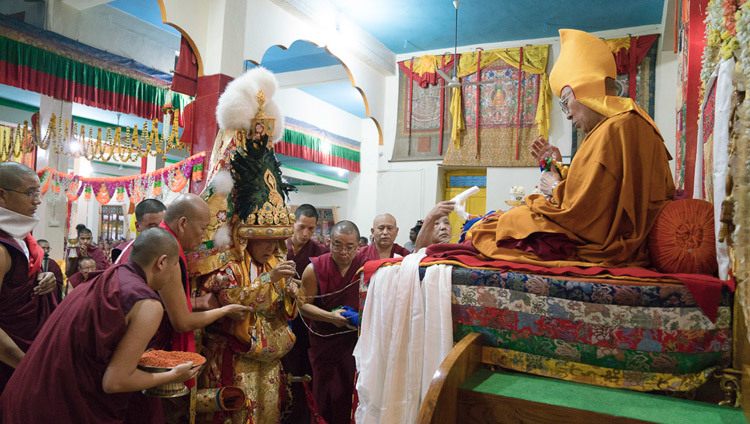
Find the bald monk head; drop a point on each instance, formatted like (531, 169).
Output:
(344, 243)
(384, 232)
(188, 217)
(156, 252)
(19, 188)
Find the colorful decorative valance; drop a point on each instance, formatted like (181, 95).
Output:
(306, 141)
(136, 187)
(47, 63)
(422, 70)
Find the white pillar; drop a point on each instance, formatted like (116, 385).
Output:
(52, 216)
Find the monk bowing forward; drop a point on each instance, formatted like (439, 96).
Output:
(82, 365)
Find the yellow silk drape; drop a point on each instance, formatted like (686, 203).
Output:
(615, 44)
(426, 64)
(534, 62)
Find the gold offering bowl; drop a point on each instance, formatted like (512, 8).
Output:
(514, 203)
(168, 390)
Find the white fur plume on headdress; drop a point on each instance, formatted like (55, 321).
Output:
(237, 105)
(223, 183)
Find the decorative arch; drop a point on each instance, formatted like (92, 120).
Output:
(198, 58)
(351, 80)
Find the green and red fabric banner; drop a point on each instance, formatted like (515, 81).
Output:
(32, 68)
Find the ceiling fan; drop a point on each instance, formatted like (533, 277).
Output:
(453, 82)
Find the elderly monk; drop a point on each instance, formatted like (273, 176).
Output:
(148, 214)
(436, 226)
(616, 185)
(300, 248)
(82, 367)
(26, 293)
(384, 232)
(329, 282)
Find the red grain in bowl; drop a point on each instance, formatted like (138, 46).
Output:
(164, 359)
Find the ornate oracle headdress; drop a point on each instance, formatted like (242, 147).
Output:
(259, 192)
(245, 190)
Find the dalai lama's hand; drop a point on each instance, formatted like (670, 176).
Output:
(47, 283)
(542, 149)
(547, 182)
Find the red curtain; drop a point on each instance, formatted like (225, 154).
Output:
(627, 60)
(185, 78)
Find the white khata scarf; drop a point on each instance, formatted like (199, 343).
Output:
(18, 226)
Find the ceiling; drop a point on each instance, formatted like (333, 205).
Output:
(418, 25)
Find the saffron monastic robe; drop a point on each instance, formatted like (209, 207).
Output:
(22, 313)
(332, 357)
(60, 379)
(370, 252)
(617, 184)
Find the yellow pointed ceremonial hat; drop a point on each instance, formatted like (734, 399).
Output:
(584, 64)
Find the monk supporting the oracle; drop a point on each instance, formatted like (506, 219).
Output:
(615, 187)
(83, 364)
(300, 249)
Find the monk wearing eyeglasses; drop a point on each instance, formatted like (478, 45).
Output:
(26, 292)
(329, 283)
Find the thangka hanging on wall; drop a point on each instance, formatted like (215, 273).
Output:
(505, 129)
(644, 50)
(418, 125)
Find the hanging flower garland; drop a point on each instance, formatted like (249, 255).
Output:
(175, 177)
(722, 39)
(743, 38)
(714, 17)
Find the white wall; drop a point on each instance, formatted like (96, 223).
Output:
(117, 32)
(305, 107)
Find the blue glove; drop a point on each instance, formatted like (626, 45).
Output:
(351, 315)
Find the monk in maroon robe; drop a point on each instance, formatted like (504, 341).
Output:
(186, 220)
(26, 293)
(148, 214)
(87, 269)
(384, 232)
(85, 249)
(300, 248)
(333, 274)
(49, 265)
(82, 366)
